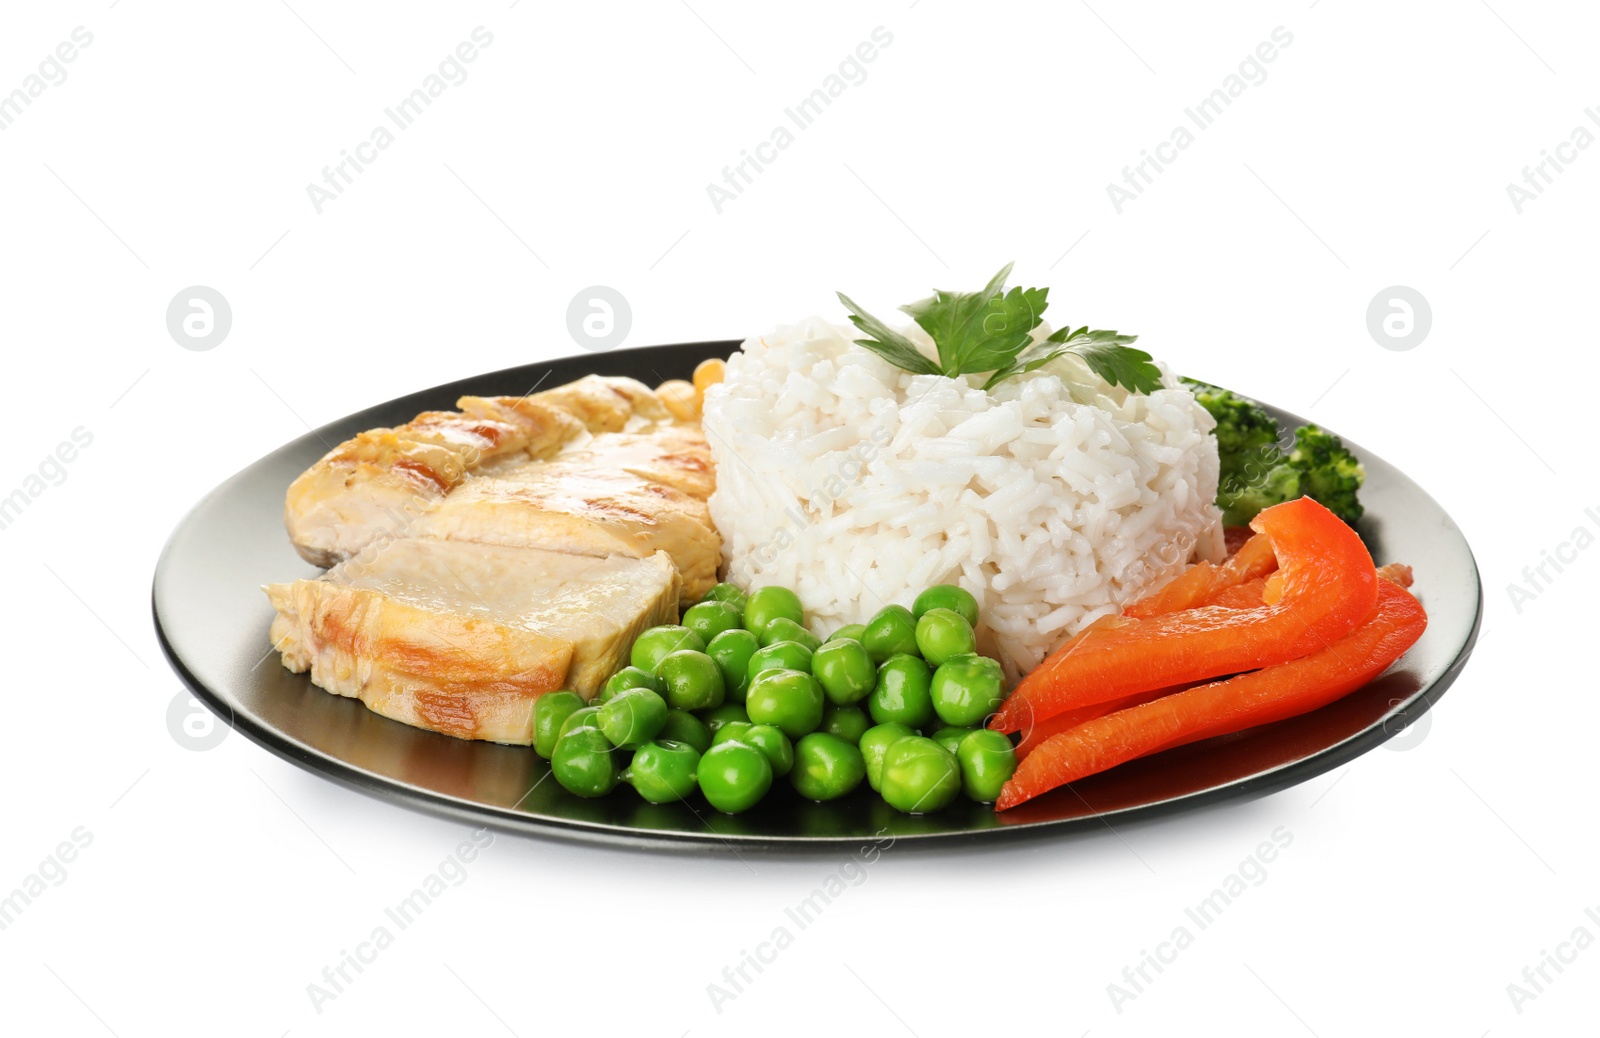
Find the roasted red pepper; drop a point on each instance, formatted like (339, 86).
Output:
(1260, 697)
(1328, 586)
(1201, 583)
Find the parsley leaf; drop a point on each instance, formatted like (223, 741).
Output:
(980, 331)
(992, 331)
(886, 342)
(1114, 360)
(1107, 353)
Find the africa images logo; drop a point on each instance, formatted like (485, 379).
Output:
(451, 71)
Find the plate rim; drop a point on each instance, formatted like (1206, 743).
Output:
(440, 805)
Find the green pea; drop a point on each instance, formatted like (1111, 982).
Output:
(947, 596)
(772, 742)
(902, 692)
(893, 631)
(849, 723)
(583, 762)
(826, 767)
(845, 669)
(988, 760)
(779, 656)
(682, 726)
(767, 604)
(876, 742)
(729, 593)
(709, 619)
(784, 629)
(693, 680)
(790, 700)
(663, 771)
(724, 714)
(584, 715)
(919, 776)
(732, 651)
(629, 677)
(852, 631)
(549, 712)
(632, 717)
(764, 737)
(734, 777)
(950, 736)
(966, 689)
(654, 645)
(943, 634)
(733, 731)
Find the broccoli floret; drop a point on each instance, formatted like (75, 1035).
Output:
(1256, 474)
(1319, 467)
(1247, 436)
(1242, 499)
(1329, 473)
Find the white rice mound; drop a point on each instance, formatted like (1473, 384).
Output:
(1054, 498)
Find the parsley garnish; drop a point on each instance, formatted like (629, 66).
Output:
(990, 331)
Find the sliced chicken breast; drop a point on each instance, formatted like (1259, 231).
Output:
(374, 485)
(595, 467)
(461, 638)
(607, 404)
(573, 507)
(675, 455)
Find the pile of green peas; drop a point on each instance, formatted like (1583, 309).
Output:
(741, 694)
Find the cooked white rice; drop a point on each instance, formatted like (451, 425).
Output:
(1054, 498)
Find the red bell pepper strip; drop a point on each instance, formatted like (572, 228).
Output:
(1240, 596)
(1185, 591)
(1396, 573)
(1260, 697)
(1198, 584)
(1035, 736)
(1329, 586)
(1252, 592)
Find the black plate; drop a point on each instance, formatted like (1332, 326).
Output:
(212, 620)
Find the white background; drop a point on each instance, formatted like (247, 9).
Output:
(1376, 152)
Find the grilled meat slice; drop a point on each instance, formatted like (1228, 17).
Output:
(607, 404)
(375, 484)
(461, 638)
(573, 507)
(674, 455)
(488, 556)
(595, 467)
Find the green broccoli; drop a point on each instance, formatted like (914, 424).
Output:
(1240, 501)
(1319, 467)
(1256, 474)
(1329, 473)
(1247, 436)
